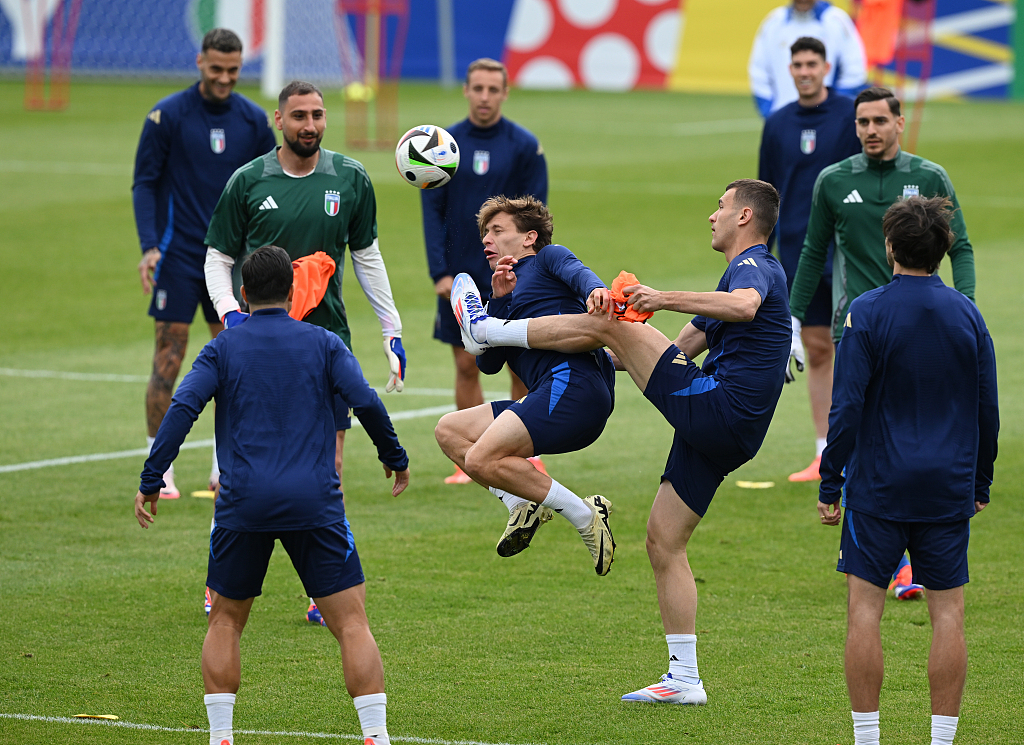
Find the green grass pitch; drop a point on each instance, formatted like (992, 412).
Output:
(100, 617)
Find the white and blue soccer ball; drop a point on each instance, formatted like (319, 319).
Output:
(427, 157)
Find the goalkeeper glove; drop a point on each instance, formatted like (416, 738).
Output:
(233, 317)
(796, 351)
(396, 359)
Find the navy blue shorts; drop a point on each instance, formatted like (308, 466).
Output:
(819, 310)
(704, 449)
(446, 327)
(325, 558)
(177, 294)
(565, 413)
(872, 547)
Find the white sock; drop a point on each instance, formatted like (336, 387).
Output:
(501, 333)
(819, 445)
(568, 505)
(865, 727)
(682, 657)
(149, 442)
(509, 500)
(215, 466)
(373, 716)
(943, 729)
(219, 708)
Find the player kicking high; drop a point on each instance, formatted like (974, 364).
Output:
(571, 395)
(720, 412)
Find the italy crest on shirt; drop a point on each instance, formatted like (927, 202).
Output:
(808, 141)
(332, 202)
(481, 162)
(217, 141)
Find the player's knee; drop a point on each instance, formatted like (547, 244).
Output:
(445, 432)
(662, 549)
(479, 464)
(820, 355)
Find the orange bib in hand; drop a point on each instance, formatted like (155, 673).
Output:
(623, 311)
(311, 276)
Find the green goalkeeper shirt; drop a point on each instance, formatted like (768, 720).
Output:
(330, 208)
(850, 198)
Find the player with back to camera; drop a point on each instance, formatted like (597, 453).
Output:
(498, 157)
(798, 141)
(911, 444)
(570, 396)
(720, 412)
(275, 380)
(191, 143)
(305, 198)
(849, 200)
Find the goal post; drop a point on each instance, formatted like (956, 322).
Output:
(49, 27)
(374, 65)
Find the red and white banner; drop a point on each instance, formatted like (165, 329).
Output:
(611, 45)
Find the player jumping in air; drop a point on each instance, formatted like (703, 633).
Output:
(506, 159)
(720, 412)
(570, 395)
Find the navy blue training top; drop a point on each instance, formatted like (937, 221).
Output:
(274, 380)
(748, 359)
(551, 283)
(502, 159)
(187, 152)
(796, 144)
(915, 412)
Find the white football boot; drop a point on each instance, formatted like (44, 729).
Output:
(468, 312)
(670, 691)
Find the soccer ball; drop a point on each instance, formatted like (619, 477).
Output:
(427, 157)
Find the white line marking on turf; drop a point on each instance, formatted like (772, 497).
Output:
(92, 377)
(317, 735)
(143, 452)
(12, 372)
(66, 169)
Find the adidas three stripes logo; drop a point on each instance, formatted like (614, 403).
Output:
(268, 204)
(853, 197)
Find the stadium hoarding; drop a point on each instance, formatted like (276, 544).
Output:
(596, 44)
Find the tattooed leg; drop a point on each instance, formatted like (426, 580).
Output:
(171, 341)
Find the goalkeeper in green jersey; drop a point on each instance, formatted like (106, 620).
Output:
(304, 199)
(849, 200)
(848, 203)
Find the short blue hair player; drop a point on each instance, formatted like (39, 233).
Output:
(912, 438)
(570, 395)
(720, 411)
(275, 380)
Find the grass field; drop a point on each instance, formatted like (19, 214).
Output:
(100, 617)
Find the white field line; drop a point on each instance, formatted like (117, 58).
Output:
(114, 378)
(143, 452)
(203, 732)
